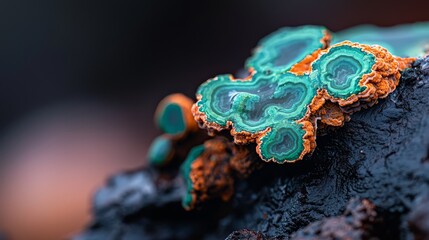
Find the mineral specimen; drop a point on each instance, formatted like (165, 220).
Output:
(289, 48)
(279, 111)
(380, 155)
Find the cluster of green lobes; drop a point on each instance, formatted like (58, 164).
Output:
(276, 102)
(279, 51)
(171, 119)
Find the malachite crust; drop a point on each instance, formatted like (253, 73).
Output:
(279, 109)
(283, 143)
(172, 120)
(266, 102)
(340, 70)
(296, 81)
(257, 104)
(279, 51)
(160, 151)
(186, 169)
(270, 107)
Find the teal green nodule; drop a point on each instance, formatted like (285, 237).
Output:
(274, 109)
(279, 51)
(171, 120)
(186, 169)
(160, 150)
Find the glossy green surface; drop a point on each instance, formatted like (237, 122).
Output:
(264, 102)
(279, 51)
(278, 101)
(408, 40)
(171, 120)
(283, 143)
(186, 172)
(341, 69)
(160, 150)
(255, 105)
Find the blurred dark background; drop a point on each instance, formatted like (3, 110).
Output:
(79, 81)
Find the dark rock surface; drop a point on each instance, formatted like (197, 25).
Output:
(357, 222)
(145, 204)
(381, 155)
(246, 234)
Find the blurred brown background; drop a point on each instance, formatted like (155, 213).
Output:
(79, 81)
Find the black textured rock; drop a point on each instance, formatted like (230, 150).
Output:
(380, 155)
(145, 204)
(246, 234)
(358, 222)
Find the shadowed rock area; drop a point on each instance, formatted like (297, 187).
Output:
(380, 155)
(357, 222)
(419, 218)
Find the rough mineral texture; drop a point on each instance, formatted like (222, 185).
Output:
(210, 170)
(145, 205)
(357, 222)
(246, 234)
(380, 155)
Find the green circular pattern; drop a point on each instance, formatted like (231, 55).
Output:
(252, 106)
(283, 143)
(341, 68)
(279, 51)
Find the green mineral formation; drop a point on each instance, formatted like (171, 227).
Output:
(172, 119)
(279, 51)
(267, 102)
(160, 150)
(408, 40)
(340, 70)
(272, 109)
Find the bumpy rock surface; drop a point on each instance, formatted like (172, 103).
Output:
(380, 155)
(144, 205)
(357, 222)
(246, 234)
